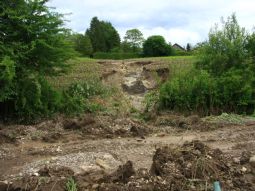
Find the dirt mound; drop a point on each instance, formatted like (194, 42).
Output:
(192, 122)
(56, 171)
(106, 127)
(6, 138)
(191, 167)
(194, 166)
(122, 174)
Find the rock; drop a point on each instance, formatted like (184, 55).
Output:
(236, 160)
(58, 149)
(102, 164)
(4, 185)
(245, 157)
(95, 186)
(252, 161)
(244, 169)
(36, 174)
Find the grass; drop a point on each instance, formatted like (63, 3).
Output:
(71, 185)
(229, 119)
(82, 69)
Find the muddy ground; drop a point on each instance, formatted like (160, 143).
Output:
(101, 152)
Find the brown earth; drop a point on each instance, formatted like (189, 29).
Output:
(100, 152)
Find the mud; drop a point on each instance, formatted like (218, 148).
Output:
(192, 166)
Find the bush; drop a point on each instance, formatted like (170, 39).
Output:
(156, 46)
(194, 91)
(224, 78)
(197, 91)
(76, 97)
(225, 49)
(36, 98)
(115, 55)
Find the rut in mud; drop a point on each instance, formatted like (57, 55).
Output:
(109, 153)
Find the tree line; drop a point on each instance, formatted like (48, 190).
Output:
(102, 37)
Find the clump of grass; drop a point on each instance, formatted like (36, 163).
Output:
(71, 185)
(229, 119)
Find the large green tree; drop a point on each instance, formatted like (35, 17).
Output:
(133, 40)
(32, 45)
(104, 37)
(156, 46)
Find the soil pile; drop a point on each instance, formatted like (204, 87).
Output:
(192, 166)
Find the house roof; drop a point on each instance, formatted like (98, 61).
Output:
(177, 46)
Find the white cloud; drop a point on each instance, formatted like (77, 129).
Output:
(178, 21)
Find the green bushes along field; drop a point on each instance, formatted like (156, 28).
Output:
(222, 79)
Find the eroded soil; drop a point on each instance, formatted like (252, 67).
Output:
(170, 152)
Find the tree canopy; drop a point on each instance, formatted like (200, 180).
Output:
(156, 46)
(32, 45)
(104, 37)
(225, 49)
(134, 39)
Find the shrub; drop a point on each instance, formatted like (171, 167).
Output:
(197, 91)
(76, 97)
(225, 49)
(156, 46)
(36, 98)
(224, 78)
(194, 91)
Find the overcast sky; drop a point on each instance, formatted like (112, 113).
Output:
(179, 21)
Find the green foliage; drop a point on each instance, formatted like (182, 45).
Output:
(76, 99)
(156, 46)
(151, 99)
(133, 41)
(32, 45)
(115, 55)
(82, 44)
(36, 98)
(7, 74)
(71, 185)
(189, 91)
(229, 119)
(178, 52)
(224, 78)
(104, 37)
(197, 91)
(188, 47)
(225, 49)
(251, 46)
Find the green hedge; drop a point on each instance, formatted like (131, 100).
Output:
(115, 56)
(199, 92)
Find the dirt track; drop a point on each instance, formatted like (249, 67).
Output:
(98, 143)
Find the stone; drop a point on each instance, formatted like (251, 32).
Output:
(252, 161)
(102, 164)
